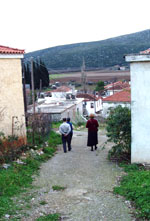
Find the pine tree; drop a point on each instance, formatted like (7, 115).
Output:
(44, 74)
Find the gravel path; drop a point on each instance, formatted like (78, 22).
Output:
(89, 179)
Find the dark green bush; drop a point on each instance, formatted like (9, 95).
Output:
(119, 131)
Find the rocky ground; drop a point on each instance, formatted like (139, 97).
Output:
(88, 178)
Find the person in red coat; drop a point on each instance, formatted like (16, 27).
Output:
(92, 125)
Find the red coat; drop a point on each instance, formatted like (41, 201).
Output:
(92, 125)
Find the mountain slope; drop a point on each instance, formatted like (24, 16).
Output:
(99, 54)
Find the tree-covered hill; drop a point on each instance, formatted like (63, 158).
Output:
(98, 54)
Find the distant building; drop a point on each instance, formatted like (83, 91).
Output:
(115, 87)
(91, 104)
(122, 98)
(60, 92)
(58, 108)
(12, 115)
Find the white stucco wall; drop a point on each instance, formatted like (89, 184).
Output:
(140, 109)
(97, 106)
(58, 94)
(108, 105)
(79, 107)
(12, 117)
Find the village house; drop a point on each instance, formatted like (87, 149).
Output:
(115, 87)
(122, 98)
(12, 115)
(91, 104)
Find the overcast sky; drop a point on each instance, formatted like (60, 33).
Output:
(38, 24)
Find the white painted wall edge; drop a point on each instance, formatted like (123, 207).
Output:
(11, 55)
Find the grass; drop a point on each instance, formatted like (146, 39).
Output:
(55, 125)
(58, 188)
(50, 217)
(54, 139)
(43, 202)
(135, 186)
(18, 177)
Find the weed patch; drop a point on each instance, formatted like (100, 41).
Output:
(135, 186)
(43, 202)
(50, 217)
(58, 188)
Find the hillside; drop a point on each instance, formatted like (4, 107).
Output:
(99, 54)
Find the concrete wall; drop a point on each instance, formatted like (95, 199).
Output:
(108, 105)
(140, 109)
(79, 108)
(12, 120)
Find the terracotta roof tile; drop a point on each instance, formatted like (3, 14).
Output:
(122, 96)
(61, 89)
(112, 84)
(117, 85)
(87, 97)
(7, 50)
(145, 52)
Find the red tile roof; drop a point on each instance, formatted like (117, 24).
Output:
(122, 96)
(7, 50)
(119, 86)
(62, 89)
(145, 52)
(112, 84)
(88, 97)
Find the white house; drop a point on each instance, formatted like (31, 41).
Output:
(91, 103)
(140, 106)
(122, 98)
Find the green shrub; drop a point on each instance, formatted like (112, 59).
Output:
(119, 131)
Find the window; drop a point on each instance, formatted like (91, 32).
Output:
(92, 105)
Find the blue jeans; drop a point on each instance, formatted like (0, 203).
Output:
(69, 141)
(65, 140)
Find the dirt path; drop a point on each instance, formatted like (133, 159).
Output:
(89, 179)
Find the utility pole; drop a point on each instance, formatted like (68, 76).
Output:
(33, 102)
(24, 88)
(83, 76)
(24, 91)
(32, 83)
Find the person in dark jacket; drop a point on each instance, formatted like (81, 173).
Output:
(70, 134)
(92, 125)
